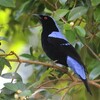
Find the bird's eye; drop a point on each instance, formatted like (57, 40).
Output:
(45, 18)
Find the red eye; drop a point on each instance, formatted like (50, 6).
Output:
(45, 18)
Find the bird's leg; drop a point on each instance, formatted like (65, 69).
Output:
(54, 62)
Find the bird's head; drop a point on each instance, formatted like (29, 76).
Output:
(47, 21)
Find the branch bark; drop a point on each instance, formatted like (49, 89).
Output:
(62, 69)
(92, 82)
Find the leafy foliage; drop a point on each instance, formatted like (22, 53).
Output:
(20, 32)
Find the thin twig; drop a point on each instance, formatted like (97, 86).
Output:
(74, 3)
(98, 80)
(60, 90)
(88, 48)
(63, 19)
(69, 87)
(94, 83)
(50, 81)
(92, 52)
(56, 6)
(50, 4)
(5, 55)
(49, 88)
(80, 20)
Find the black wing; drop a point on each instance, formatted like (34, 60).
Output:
(66, 48)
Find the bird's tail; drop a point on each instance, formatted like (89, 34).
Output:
(86, 85)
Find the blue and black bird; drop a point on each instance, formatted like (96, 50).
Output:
(57, 48)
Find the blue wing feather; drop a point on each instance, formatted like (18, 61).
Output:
(59, 35)
(76, 67)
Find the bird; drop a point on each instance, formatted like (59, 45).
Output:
(58, 48)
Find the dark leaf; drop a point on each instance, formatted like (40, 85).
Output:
(31, 51)
(1, 68)
(63, 2)
(25, 93)
(95, 72)
(77, 12)
(70, 35)
(12, 76)
(80, 31)
(7, 91)
(95, 2)
(26, 55)
(24, 7)
(3, 62)
(21, 9)
(15, 86)
(7, 3)
(59, 13)
(97, 14)
(11, 86)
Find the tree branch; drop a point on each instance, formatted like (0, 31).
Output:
(92, 82)
(44, 64)
(62, 69)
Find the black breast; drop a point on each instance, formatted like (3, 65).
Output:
(53, 51)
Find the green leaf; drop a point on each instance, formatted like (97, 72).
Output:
(63, 2)
(7, 3)
(7, 63)
(7, 91)
(98, 34)
(26, 55)
(97, 14)
(7, 75)
(47, 11)
(11, 86)
(25, 93)
(21, 86)
(12, 75)
(59, 13)
(83, 53)
(45, 74)
(80, 31)
(4, 61)
(21, 9)
(15, 86)
(67, 26)
(70, 35)
(95, 2)
(31, 51)
(77, 12)
(1, 68)
(95, 73)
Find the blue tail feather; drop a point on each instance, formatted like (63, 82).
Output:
(79, 70)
